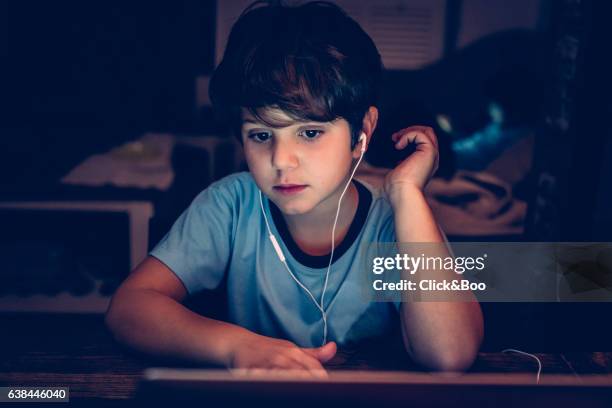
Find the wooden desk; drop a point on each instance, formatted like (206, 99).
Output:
(76, 351)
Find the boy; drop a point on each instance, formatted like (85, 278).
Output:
(298, 85)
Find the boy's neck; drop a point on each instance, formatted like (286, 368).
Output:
(312, 231)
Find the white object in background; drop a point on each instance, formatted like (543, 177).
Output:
(146, 162)
(143, 163)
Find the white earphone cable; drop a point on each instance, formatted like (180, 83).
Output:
(331, 256)
(530, 355)
(284, 262)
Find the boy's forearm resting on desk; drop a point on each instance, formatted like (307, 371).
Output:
(442, 335)
(159, 325)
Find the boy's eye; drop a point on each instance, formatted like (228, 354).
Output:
(311, 133)
(259, 137)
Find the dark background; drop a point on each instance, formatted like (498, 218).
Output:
(78, 78)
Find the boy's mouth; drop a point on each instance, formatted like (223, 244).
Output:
(289, 188)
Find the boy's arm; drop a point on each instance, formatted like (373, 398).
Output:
(146, 314)
(441, 335)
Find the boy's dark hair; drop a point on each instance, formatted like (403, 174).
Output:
(313, 62)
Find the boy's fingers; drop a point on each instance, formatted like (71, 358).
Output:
(410, 134)
(323, 353)
(310, 362)
(257, 371)
(421, 141)
(314, 367)
(319, 373)
(300, 364)
(414, 136)
(432, 136)
(294, 359)
(283, 372)
(327, 352)
(405, 139)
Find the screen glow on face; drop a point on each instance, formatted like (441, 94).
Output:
(313, 155)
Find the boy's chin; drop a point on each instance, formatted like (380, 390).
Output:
(294, 208)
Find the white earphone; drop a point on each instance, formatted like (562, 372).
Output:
(364, 143)
(320, 305)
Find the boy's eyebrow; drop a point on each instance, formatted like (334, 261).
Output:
(256, 122)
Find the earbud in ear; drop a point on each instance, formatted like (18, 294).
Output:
(364, 141)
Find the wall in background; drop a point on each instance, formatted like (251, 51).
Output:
(482, 17)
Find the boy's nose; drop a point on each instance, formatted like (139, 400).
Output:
(283, 156)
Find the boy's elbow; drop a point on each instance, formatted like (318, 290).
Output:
(458, 356)
(114, 319)
(455, 361)
(453, 357)
(111, 320)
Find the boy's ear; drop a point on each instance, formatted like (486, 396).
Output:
(370, 119)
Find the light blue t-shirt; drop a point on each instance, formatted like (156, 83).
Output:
(223, 232)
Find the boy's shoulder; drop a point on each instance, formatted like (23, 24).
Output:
(239, 182)
(235, 187)
(238, 178)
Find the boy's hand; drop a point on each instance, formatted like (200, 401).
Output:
(416, 170)
(259, 352)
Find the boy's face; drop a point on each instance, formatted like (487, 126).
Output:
(302, 166)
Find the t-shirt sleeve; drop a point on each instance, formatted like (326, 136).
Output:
(387, 230)
(198, 246)
(386, 234)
